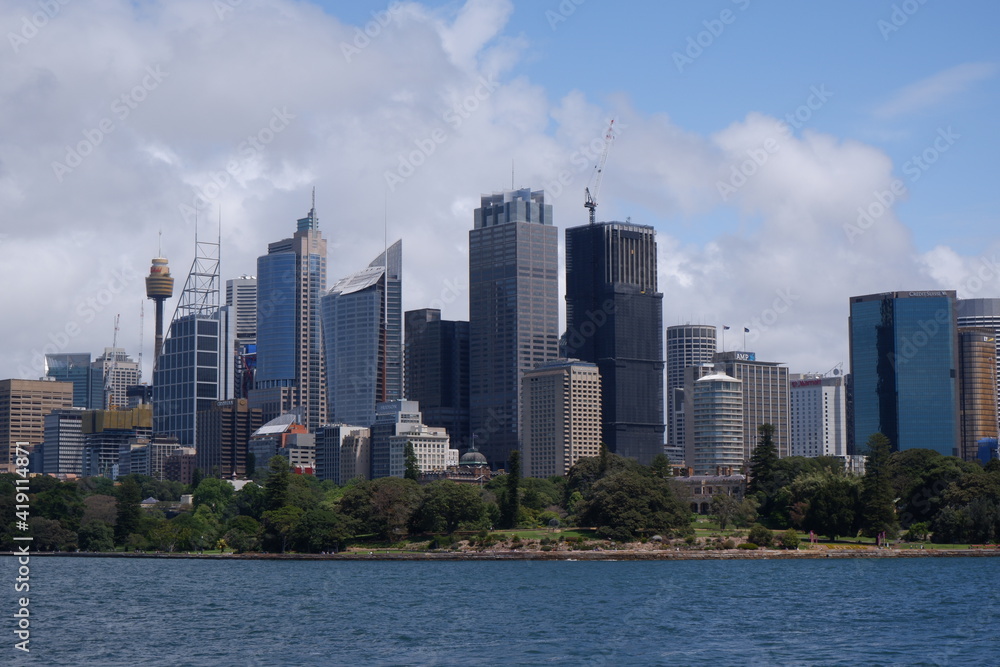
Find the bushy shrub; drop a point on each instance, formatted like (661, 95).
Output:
(728, 544)
(789, 539)
(749, 546)
(760, 536)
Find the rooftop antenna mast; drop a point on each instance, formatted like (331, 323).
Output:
(592, 190)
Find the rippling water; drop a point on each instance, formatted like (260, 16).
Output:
(94, 611)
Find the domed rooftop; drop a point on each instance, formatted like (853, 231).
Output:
(473, 458)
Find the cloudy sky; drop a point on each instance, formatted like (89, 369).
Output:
(789, 154)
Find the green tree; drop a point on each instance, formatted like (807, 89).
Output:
(243, 534)
(96, 536)
(760, 535)
(60, 503)
(129, 515)
(878, 513)
(833, 507)
(276, 486)
(213, 493)
(280, 523)
(511, 502)
(446, 506)
(628, 504)
(50, 535)
(660, 466)
(99, 507)
(725, 508)
(765, 480)
(410, 460)
(196, 477)
(789, 539)
(320, 530)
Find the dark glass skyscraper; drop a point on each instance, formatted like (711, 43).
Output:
(437, 371)
(614, 318)
(291, 278)
(904, 366)
(513, 310)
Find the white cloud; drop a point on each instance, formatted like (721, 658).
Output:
(426, 99)
(935, 89)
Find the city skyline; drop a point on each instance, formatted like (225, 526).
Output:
(504, 85)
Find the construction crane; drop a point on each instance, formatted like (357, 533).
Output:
(109, 373)
(592, 190)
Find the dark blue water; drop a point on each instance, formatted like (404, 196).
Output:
(933, 611)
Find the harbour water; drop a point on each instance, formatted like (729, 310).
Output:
(100, 611)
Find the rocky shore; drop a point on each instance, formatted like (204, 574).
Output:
(567, 555)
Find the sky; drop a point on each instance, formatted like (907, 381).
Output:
(789, 154)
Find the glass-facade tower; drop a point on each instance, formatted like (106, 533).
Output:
(904, 366)
(513, 311)
(362, 339)
(614, 318)
(291, 278)
(687, 345)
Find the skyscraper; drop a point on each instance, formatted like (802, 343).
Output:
(717, 430)
(513, 310)
(76, 368)
(560, 416)
(765, 397)
(362, 339)
(614, 318)
(23, 406)
(62, 450)
(195, 366)
(904, 366)
(291, 278)
(983, 313)
(437, 371)
(241, 297)
(113, 372)
(977, 407)
(687, 345)
(223, 433)
(818, 415)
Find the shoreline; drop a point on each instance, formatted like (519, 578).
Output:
(620, 555)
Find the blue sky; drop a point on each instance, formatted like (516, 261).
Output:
(780, 252)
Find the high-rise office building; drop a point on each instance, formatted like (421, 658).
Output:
(560, 416)
(23, 406)
(717, 426)
(337, 451)
(437, 371)
(513, 311)
(241, 297)
(983, 313)
(62, 449)
(818, 415)
(398, 423)
(115, 372)
(904, 367)
(362, 339)
(291, 279)
(107, 432)
(614, 318)
(223, 433)
(195, 366)
(76, 368)
(687, 345)
(765, 397)
(977, 406)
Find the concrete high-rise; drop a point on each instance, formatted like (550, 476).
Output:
(398, 423)
(687, 345)
(437, 371)
(223, 433)
(513, 311)
(614, 318)
(560, 416)
(977, 407)
(765, 397)
(115, 372)
(62, 449)
(717, 439)
(904, 367)
(362, 339)
(241, 297)
(291, 279)
(818, 415)
(23, 406)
